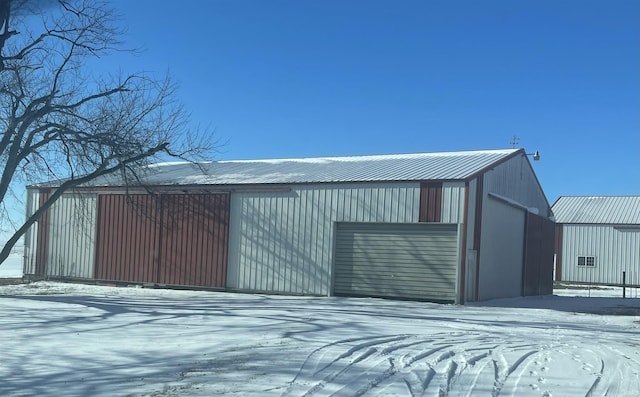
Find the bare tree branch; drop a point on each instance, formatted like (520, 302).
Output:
(56, 122)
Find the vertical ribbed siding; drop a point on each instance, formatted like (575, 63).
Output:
(42, 235)
(477, 230)
(430, 202)
(31, 236)
(178, 239)
(516, 180)
(453, 202)
(501, 258)
(194, 239)
(283, 241)
(615, 251)
(71, 240)
(538, 263)
(471, 257)
(128, 238)
(558, 252)
(627, 245)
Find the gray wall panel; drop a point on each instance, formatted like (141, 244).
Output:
(514, 179)
(502, 250)
(471, 254)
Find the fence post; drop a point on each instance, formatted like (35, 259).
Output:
(624, 291)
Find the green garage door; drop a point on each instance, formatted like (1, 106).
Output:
(412, 261)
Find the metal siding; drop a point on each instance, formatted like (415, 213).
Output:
(31, 236)
(558, 252)
(417, 261)
(72, 237)
(502, 253)
(42, 236)
(477, 230)
(194, 233)
(128, 238)
(627, 243)
(538, 264)
(471, 254)
(283, 241)
(514, 179)
(176, 239)
(615, 251)
(453, 202)
(431, 202)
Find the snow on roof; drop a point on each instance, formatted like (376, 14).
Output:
(392, 167)
(616, 210)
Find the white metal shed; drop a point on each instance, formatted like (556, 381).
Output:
(598, 239)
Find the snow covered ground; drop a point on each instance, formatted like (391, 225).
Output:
(76, 340)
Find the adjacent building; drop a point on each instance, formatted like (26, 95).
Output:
(452, 226)
(597, 239)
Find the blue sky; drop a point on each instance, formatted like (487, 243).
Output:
(294, 78)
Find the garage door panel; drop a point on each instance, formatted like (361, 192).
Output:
(415, 261)
(386, 240)
(424, 271)
(408, 284)
(402, 251)
(391, 271)
(412, 279)
(397, 293)
(434, 257)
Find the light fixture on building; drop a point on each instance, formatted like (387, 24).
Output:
(536, 155)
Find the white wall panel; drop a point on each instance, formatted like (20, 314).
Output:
(31, 236)
(72, 236)
(615, 251)
(453, 202)
(283, 241)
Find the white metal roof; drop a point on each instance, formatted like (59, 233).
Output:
(616, 210)
(373, 168)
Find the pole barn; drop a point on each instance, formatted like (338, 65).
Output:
(450, 226)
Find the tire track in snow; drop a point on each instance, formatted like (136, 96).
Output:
(595, 382)
(466, 365)
(613, 377)
(359, 361)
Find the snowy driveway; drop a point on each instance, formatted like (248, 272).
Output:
(63, 339)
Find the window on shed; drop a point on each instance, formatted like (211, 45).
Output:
(587, 261)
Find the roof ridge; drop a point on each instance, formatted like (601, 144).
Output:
(311, 159)
(370, 168)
